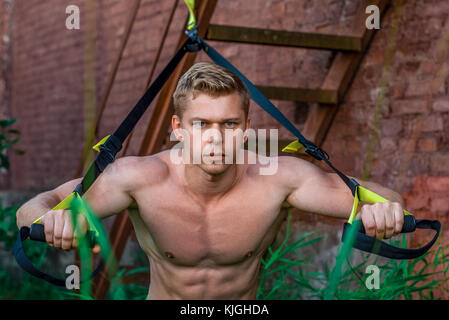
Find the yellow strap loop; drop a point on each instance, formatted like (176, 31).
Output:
(293, 147)
(65, 204)
(192, 20)
(102, 141)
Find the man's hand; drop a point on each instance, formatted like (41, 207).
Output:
(59, 231)
(383, 219)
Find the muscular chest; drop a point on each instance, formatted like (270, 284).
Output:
(227, 232)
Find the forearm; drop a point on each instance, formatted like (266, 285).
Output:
(324, 193)
(35, 208)
(329, 196)
(342, 208)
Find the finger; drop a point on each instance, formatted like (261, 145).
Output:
(379, 216)
(48, 221)
(398, 217)
(74, 242)
(96, 249)
(58, 228)
(368, 221)
(82, 223)
(67, 233)
(389, 220)
(82, 228)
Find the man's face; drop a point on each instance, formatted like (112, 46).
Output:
(215, 129)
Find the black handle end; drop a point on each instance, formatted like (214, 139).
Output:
(37, 232)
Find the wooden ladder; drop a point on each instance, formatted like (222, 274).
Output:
(349, 53)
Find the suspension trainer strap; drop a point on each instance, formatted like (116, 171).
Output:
(362, 241)
(108, 149)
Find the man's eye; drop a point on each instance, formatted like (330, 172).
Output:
(230, 124)
(199, 124)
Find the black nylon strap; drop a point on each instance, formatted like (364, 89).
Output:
(27, 265)
(107, 154)
(373, 245)
(136, 113)
(113, 144)
(363, 242)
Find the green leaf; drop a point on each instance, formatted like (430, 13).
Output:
(6, 123)
(4, 162)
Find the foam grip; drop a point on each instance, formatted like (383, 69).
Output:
(37, 233)
(408, 226)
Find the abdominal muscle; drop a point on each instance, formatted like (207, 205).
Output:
(204, 281)
(201, 273)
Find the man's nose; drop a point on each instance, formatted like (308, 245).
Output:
(214, 135)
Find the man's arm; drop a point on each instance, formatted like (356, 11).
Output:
(314, 190)
(108, 195)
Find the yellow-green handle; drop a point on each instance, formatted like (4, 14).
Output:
(65, 205)
(366, 196)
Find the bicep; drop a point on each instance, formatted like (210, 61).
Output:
(315, 190)
(110, 193)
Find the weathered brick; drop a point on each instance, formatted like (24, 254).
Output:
(432, 123)
(402, 107)
(438, 184)
(427, 145)
(418, 201)
(397, 92)
(422, 88)
(388, 144)
(440, 162)
(441, 105)
(440, 205)
(391, 127)
(353, 146)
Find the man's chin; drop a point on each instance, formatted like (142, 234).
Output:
(214, 168)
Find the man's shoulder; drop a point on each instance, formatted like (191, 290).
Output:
(142, 168)
(282, 170)
(284, 163)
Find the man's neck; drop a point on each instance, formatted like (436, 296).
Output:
(207, 187)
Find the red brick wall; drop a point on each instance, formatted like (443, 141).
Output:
(48, 85)
(6, 7)
(412, 151)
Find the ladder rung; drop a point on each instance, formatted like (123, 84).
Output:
(283, 38)
(300, 94)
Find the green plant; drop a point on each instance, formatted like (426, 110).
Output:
(283, 275)
(15, 283)
(8, 137)
(284, 265)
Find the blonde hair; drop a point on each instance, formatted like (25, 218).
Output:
(211, 79)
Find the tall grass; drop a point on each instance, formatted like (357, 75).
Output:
(284, 277)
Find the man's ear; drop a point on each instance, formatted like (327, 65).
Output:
(176, 126)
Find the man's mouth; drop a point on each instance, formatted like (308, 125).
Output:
(214, 155)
